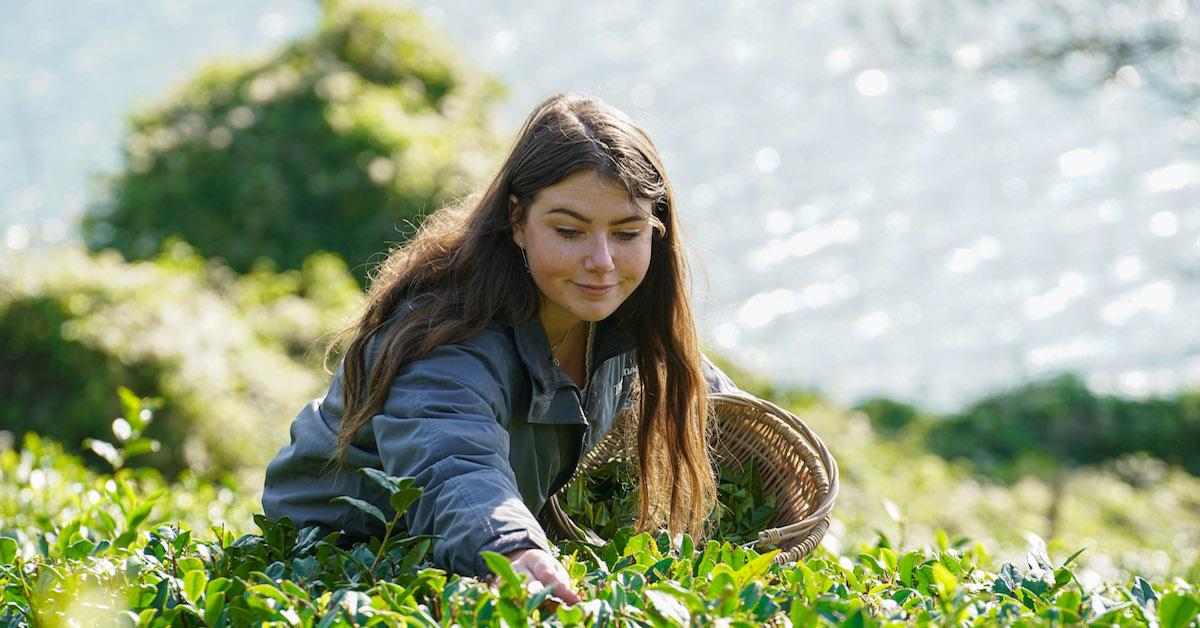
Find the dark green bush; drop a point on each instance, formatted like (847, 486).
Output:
(74, 327)
(339, 142)
(1060, 422)
(888, 415)
(41, 363)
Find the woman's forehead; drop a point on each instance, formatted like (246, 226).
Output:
(586, 192)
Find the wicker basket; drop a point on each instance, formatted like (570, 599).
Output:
(795, 465)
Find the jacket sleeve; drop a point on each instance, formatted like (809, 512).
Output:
(444, 424)
(718, 381)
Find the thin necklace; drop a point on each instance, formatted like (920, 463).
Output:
(554, 348)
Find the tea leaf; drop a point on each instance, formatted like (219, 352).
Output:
(1177, 610)
(1143, 593)
(666, 607)
(363, 506)
(404, 498)
(8, 550)
(193, 586)
(756, 568)
(502, 567)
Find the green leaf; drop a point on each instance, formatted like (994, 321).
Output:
(667, 607)
(907, 563)
(502, 567)
(415, 555)
(389, 483)
(214, 604)
(131, 404)
(79, 549)
(1143, 593)
(570, 615)
(873, 564)
(190, 563)
(1062, 577)
(1008, 581)
(687, 548)
(217, 585)
(536, 599)
(889, 560)
(1176, 610)
(8, 550)
(363, 506)
(755, 568)
(1069, 600)
(193, 586)
(141, 446)
(403, 499)
(724, 582)
(105, 450)
(271, 591)
(511, 613)
(142, 511)
(637, 544)
(945, 581)
(1072, 557)
(292, 589)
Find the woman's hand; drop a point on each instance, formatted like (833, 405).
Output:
(539, 565)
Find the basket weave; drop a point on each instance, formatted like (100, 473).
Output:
(793, 462)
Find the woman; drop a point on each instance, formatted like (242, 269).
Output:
(500, 343)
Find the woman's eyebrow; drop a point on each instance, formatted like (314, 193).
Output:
(581, 218)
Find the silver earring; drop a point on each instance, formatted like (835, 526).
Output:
(526, 260)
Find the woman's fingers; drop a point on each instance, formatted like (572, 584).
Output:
(546, 569)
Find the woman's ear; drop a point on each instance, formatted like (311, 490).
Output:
(516, 220)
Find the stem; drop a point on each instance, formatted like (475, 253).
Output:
(33, 616)
(387, 532)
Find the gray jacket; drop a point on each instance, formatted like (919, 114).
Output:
(490, 428)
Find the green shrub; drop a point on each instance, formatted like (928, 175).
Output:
(888, 415)
(337, 143)
(1060, 422)
(74, 327)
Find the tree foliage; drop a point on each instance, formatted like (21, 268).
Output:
(1060, 422)
(339, 142)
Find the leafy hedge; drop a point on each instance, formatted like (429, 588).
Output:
(335, 143)
(1061, 422)
(75, 326)
(112, 555)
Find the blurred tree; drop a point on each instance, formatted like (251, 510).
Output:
(888, 415)
(340, 142)
(1044, 426)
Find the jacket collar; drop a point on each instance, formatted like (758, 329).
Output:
(534, 349)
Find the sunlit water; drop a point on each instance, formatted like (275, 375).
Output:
(865, 225)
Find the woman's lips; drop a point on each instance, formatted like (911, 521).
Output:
(594, 290)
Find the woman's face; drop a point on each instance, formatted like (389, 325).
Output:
(588, 248)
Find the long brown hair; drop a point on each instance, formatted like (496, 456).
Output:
(464, 263)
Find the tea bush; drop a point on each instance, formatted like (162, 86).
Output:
(75, 326)
(892, 486)
(337, 142)
(112, 555)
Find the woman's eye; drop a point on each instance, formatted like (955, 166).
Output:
(628, 235)
(568, 232)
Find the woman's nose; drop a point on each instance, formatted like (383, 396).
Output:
(599, 259)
